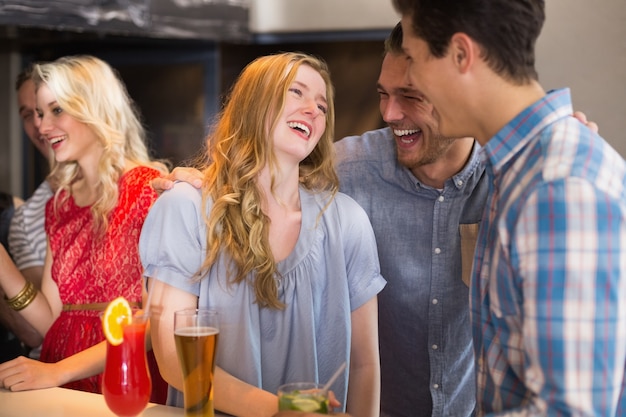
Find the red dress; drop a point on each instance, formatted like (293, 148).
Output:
(88, 269)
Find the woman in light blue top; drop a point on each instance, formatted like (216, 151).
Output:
(290, 264)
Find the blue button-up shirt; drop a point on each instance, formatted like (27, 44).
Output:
(425, 332)
(549, 290)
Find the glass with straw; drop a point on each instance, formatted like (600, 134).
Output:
(307, 396)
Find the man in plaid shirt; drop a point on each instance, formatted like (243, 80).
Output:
(548, 292)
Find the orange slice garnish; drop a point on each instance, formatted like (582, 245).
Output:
(117, 314)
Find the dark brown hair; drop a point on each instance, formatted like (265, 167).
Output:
(24, 75)
(505, 29)
(393, 43)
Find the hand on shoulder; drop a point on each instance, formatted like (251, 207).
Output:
(582, 117)
(185, 174)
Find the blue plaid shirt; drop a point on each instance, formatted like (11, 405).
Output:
(548, 296)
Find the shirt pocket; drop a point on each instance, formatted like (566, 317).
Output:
(469, 235)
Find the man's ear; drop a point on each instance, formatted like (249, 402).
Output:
(463, 51)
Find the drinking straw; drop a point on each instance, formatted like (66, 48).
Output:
(333, 378)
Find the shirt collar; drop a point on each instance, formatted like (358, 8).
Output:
(459, 180)
(463, 176)
(525, 126)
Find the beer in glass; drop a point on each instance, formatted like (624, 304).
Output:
(196, 332)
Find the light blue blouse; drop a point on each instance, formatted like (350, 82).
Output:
(332, 271)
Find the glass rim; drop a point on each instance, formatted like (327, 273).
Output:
(299, 385)
(134, 313)
(195, 311)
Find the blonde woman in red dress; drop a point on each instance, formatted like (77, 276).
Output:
(101, 173)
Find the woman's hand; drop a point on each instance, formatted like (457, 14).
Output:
(25, 374)
(22, 374)
(333, 402)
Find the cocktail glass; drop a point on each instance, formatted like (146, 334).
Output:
(303, 396)
(126, 383)
(196, 332)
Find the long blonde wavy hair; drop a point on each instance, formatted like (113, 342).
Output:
(90, 91)
(238, 149)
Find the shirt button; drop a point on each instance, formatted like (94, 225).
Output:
(459, 183)
(441, 198)
(435, 301)
(437, 251)
(436, 386)
(435, 347)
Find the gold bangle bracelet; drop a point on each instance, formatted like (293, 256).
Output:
(19, 294)
(23, 298)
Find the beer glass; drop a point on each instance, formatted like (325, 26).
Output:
(196, 332)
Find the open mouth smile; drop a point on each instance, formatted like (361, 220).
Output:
(56, 140)
(301, 127)
(406, 136)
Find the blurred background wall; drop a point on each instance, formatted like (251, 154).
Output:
(583, 46)
(179, 57)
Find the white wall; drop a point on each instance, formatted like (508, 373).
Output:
(583, 46)
(276, 16)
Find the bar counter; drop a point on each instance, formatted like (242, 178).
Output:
(61, 402)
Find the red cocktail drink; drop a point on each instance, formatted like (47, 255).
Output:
(126, 383)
